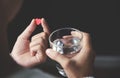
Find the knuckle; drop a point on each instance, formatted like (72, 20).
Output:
(41, 40)
(33, 37)
(44, 34)
(40, 47)
(41, 57)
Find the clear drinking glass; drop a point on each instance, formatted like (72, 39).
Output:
(62, 41)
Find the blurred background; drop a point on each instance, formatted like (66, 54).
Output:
(99, 18)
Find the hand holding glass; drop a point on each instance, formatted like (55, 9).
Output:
(62, 41)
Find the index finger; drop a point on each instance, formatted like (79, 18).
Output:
(29, 30)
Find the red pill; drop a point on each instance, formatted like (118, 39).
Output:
(38, 21)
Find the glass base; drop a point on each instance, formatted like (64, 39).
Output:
(60, 70)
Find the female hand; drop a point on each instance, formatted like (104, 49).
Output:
(81, 64)
(29, 53)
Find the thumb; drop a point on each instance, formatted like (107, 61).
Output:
(61, 59)
(29, 30)
(45, 26)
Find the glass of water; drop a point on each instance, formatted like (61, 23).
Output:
(62, 41)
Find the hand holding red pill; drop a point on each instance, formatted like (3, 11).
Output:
(29, 49)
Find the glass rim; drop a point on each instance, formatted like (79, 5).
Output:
(51, 43)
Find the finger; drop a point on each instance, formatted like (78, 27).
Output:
(45, 26)
(35, 49)
(57, 57)
(41, 57)
(29, 30)
(77, 34)
(40, 35)
(86, 46)
(68, 36)
(85, 37)
(33, 53)
(40, 42)
(86, 40)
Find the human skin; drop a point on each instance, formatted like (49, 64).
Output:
(29, 52)
(81, 64)
(78, 66)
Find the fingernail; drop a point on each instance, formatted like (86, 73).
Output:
(72, 31)
(48, 51)
(43, 19)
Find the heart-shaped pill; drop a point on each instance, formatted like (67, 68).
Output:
(38, 21)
